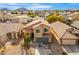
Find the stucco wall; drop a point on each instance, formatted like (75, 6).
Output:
(3, 38)
(40, 34)
(68, 42)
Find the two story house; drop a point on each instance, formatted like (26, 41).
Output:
(39, 30)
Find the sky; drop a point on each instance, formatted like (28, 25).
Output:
(40, 6)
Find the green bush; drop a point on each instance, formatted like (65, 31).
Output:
(54, 17)
(31, 14)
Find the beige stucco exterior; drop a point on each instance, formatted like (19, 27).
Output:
(41, 25)
(42, 32)
(69, 42)
(3, 38)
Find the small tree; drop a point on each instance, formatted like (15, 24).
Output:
(54, 17)
(27, 41)
(31, 14)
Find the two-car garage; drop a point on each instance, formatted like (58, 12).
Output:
(43, 40)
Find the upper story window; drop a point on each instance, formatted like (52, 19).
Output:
(37, 30)
(45, 29)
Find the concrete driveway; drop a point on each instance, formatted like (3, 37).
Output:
(42, 51)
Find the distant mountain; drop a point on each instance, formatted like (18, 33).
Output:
(21, 9)
(4, 9)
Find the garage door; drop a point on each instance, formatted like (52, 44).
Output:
(68, 42)
(43, 40)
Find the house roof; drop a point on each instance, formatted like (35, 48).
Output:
(41, 24)
(23, 16)
(36, 21)
(61, 28)
(37, 17)
(69, 36)
(75, 24)
(9, 27)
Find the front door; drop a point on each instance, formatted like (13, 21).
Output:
(78, 41)
(32, 36)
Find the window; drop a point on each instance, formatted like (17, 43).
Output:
(37, 30)
(46, 29)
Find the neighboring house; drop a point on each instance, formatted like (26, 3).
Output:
(10, 31)
(10, 18)
(39, 30)
(75, 24)
(37, 17)
(63, 35)
(67, 18)
(24, 19)
(42, 13)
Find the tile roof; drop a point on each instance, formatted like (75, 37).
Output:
(75, 24)
(69, 36)
(61, 29)
(36, 21)
(9, 27)
(41, 24)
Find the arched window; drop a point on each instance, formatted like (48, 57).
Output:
(46, 29)
(37, 30)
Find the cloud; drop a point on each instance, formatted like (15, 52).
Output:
(8, 6)
(12, 4)
(39, 6)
